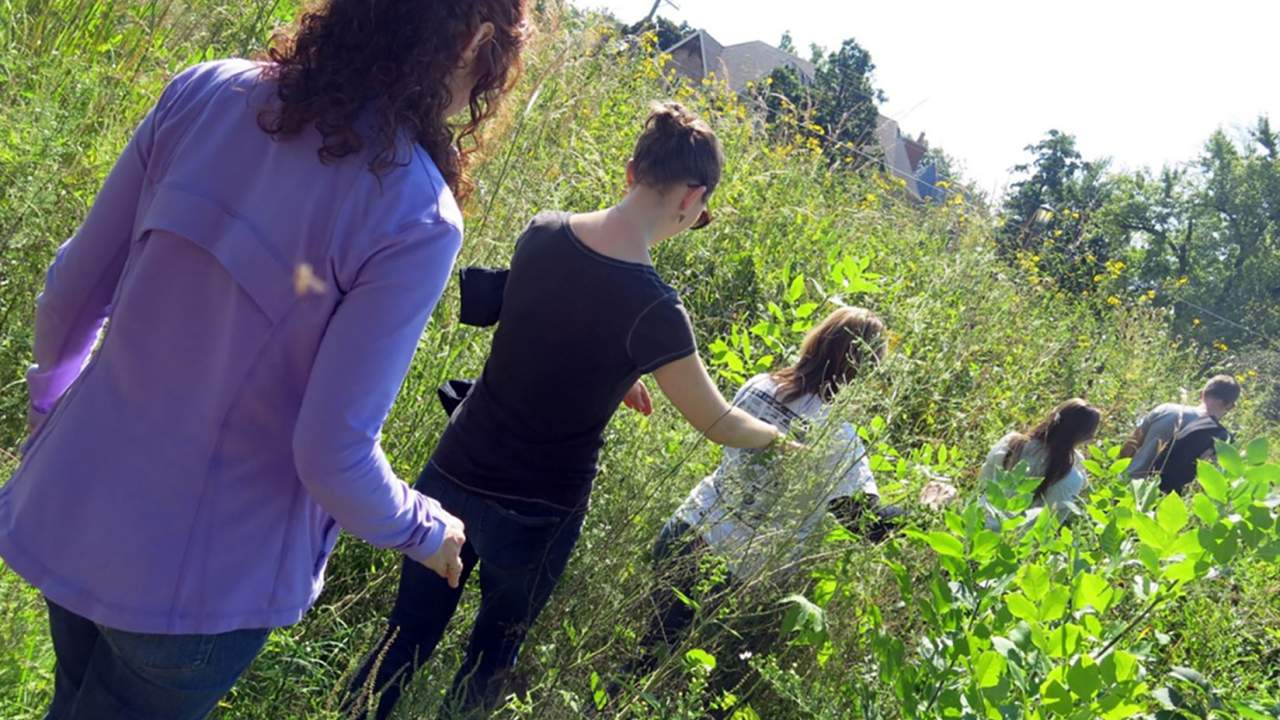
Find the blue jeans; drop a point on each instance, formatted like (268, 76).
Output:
(522, 548)
(104, 674)
(677, 556)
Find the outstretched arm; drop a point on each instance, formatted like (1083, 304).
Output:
(687, 385)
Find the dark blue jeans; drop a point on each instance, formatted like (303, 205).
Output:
(521, 548)
(105, 674)
(677, 565)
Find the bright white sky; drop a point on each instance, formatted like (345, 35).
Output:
(1141, 81)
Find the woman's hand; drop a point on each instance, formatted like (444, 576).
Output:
(785, 445)
(637, 398)
(447, 561)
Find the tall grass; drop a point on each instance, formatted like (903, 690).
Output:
(979, 349)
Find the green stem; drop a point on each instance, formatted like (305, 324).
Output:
(1137, 620)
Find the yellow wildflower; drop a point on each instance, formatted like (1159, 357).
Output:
(1113, 301)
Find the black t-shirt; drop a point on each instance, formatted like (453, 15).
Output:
(576, 330)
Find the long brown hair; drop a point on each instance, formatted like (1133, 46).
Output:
(676, 147)
(393, 57)
(1070, 424)
(831, 354)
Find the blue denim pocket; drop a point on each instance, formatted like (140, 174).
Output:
(183, 653)
(528, 518)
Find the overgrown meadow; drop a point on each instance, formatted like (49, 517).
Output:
(1144, 606)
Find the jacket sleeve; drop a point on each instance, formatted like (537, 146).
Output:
(358, 370)
(81, 283)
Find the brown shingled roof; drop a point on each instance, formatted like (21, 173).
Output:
(699, 54)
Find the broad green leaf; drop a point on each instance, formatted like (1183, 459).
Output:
(1084, 678)
(796, 290)
(1005, 647)
(1269, 474)
(1150, 558)
(1034, 581)
(1204, 509)
(805, 310)
(1257, 451)
(1150, 533)
(1064, 641)
(599, 694)
(1111, 538)
(734, 361)
(1248, 712)
(1182, 571)
(1120, 466)
(1092, 625)
(699, 657)
(1172, 513)
(1230, 460)
(1022, 607)
(989, 668)
(985, 542)
(1120, 667)
(1055, 694)
(1270, 552)
(1054, 605)
(942, 543)
(1092, 590)
(1211, 479)
(803, 617)
(1188, 544)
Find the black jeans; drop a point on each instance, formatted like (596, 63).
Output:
(521, 549)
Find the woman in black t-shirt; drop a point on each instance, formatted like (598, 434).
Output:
(584, 317)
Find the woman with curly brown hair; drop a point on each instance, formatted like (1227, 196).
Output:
(267, 250)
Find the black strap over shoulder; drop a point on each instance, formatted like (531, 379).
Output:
(481, 291)
(1192, 441)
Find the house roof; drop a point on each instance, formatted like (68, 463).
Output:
(736, 64)
(753, 61)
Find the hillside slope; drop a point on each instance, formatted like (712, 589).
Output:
(979, 348)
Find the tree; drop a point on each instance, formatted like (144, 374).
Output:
(668, 32)
(786, 44)
(847, 101)
(1049, 215)
(842, 99)
(1202, 240)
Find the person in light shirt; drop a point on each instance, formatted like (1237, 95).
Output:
(746, 513)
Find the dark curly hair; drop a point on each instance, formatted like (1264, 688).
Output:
(394, 57)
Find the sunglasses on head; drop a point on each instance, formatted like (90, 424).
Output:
(704, 217)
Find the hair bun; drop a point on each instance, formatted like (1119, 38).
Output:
(671, 116)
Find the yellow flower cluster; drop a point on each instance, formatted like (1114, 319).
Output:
(1220, 346)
